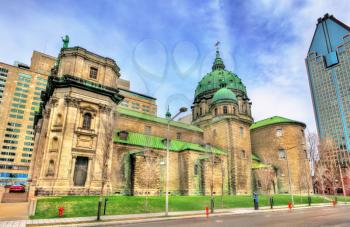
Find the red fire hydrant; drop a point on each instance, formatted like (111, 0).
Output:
(207, 211)
(334, 202)
(60, 211)
(290, 205)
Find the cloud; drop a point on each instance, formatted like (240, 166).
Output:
(282, 85)
(264, 42)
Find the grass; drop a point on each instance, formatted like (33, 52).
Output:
(81, 206)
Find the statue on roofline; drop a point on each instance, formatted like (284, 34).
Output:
(65, 41)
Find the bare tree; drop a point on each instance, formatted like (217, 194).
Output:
(312, 152)
(222, 181)
(212, 160)
(148, 173)
(329, 158)
(107, 131)
(264, 177)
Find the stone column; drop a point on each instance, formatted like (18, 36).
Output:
(88, 177)
(72, 171)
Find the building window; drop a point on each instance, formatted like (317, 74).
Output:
(87, 121)
(243, 154)
(54, 143)
(306, 155)
(148, 129)
(178, 135)
(200, 111)
(93, 73)
(241, 131)
(279, 132)
(216, 111)
(135, 105)
(214, 132)
(196, 169)
(51, 168)
(225, 109)
(282, 154)
(259, 184)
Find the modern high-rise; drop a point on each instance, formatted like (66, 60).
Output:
(20, 90)
(328, 67)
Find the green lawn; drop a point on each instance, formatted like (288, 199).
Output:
(79, 206)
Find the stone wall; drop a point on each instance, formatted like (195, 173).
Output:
(266, 143)
(132, 124)
(147, 176)
(233, 136)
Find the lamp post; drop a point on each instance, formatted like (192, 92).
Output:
(168, 116)
(289, 178)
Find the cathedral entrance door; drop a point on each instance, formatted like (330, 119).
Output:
(80, 171)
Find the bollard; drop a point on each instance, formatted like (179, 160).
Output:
(309, 200)
(290, 206)
(105, 207)
(207, 211)
(334, 202)
(60, 211)
(271, 202)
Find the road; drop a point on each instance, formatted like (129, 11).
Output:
(325, 216)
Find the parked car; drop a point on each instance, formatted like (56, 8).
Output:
(17, 188)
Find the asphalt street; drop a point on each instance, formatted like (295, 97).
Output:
(325, 216)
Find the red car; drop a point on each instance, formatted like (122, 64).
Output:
(17, 188)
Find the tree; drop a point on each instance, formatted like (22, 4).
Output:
(107, 131)
(150, 161)
(312, 152)
(264, 177)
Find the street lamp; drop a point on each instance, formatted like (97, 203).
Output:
(289, 178)
(169, 118)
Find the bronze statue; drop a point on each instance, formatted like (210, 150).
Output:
(65, 41)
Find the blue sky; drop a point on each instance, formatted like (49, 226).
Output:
(165, 47)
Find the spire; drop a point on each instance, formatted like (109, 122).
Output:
(218, 63)
(168, 114)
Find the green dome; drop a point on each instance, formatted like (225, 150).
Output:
(224, 94)
(219, 77)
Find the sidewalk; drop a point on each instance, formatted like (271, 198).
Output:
(149, 217)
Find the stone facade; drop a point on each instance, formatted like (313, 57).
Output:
(95, 135)
(282, 146)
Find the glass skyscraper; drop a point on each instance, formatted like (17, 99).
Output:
(328, 67)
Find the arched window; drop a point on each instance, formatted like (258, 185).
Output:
(51, 168)
(54, 143)
(58, 119)
(87, 121)
(243, 155)
(225, 109)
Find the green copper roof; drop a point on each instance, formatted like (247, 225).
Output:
(274, 120)
(224, 94)
(218, 62)
(156, 142)
(218, 78)
(153, 118)
(259, 165)
(256, 158)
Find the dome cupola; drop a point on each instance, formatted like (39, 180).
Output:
(218, 78)
(224, 95)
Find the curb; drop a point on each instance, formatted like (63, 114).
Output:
(176, 217)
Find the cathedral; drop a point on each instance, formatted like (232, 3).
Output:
(93, 134)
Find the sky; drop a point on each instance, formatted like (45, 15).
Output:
(165, 47)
